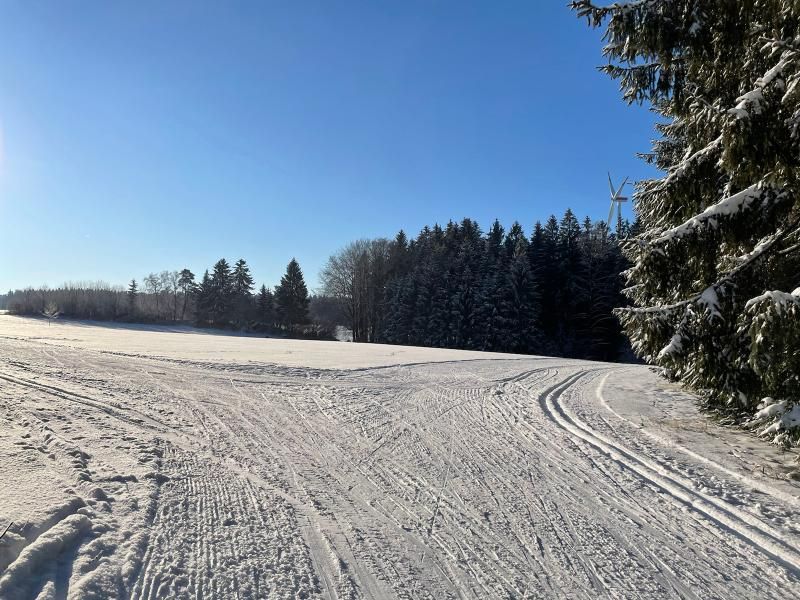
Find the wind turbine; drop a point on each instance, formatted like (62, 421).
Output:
(615, 197)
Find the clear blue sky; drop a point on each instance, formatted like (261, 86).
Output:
(143, 136)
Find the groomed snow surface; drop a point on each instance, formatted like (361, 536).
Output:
(150, 463)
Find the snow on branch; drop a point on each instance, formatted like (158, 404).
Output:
(584, 7)
(675, 346)
(744, 262)
(778, 298)
(708, 300)
(682, 167)
(751, 101)
(709, 217)
(775, 416)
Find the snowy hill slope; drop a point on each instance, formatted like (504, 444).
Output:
(155, 464)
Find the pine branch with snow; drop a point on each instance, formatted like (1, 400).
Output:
(719, 249)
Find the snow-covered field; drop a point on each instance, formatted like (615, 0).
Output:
(149, 463)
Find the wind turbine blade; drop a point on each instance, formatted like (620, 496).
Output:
(622, 185)
(610, 185)
(610, 214)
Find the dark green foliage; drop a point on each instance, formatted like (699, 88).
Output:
(545, 263)
(570, 283)
(243, 303)
(203, 300)
(291, 298)
(220, 294)
(716, 258)
(455, 287)
(242, 279)
(400, 302)
(462, 305)
(187, 287)
(265, 308)
(133, 291)
(520, 302)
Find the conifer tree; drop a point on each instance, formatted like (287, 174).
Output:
(291, 297)
(512, 240)
(536, 248)
(570, 272)
(424, 281)
(438, 325)
(494, 242)
(716, 274)
(265, 307)
(242, 279)
(462, 306)
(398, 256)
(599, 293)
(242, 292)
(220, 294)
(487, 317)
(545, 265)
(520, 303)
(133, 291)
(400, 301)
(186, 285)
(203, 300)
(455, 287)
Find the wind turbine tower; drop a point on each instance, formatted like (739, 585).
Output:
(617, 198)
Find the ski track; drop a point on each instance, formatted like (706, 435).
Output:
(495, 478)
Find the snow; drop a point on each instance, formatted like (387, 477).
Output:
(710, 301)
(690, 160)
(775, 416)
(777, 297)
(187, 344)
(674, 346)
(709, 217)
(147, 462)
(750, 102)
(747, 103)
(40, 553)
(775, 71)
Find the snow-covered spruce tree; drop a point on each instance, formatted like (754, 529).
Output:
(717, 261)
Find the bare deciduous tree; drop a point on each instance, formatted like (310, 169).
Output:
(169, 283)
(356, 277)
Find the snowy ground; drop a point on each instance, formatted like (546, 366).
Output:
(149, 463)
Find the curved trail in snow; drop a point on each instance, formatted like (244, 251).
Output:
(746, 480)
(747, 527)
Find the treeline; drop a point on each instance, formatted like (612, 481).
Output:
(83, 300)
(552, 292)
(456, 287)
(224, 297)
